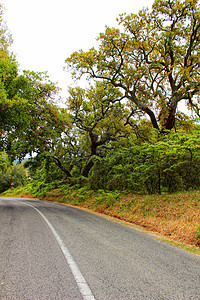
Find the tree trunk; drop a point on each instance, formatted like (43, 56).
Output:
(68, 174)
(89, 163)
(170, 120)
(87, 168)
(66, 171)
(94, 145)
(145, 109)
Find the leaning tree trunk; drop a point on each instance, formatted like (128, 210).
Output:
(152, 117)
(66, 171)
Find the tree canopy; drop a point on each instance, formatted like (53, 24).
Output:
(153, 60)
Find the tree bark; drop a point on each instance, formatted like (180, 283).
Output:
(66, 171)
(87, 168)
(68, 174)
(170, 120)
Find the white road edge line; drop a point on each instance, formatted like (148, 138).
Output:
(80, 280)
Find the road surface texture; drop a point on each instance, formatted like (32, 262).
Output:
(53, 251)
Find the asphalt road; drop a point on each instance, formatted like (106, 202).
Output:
(52, 251)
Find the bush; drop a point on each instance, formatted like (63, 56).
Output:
(168, 163)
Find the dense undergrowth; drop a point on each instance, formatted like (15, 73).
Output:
(175, 216)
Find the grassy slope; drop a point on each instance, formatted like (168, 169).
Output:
(175, 216)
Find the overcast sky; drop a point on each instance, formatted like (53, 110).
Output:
(46, 32)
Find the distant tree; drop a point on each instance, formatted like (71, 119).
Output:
(14, 176)
(154, 62)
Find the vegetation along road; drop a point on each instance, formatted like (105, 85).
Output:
(54, 251)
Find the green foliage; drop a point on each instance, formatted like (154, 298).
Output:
(197, 231)
(82, 194)
(4, 162)
(15, 174)
(31, 122)
(44, 175)
(106, 197)
(167, 164)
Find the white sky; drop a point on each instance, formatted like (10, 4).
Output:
(46, 32)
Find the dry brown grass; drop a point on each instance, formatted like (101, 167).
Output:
(173, 217)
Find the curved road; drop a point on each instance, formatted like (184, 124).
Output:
(53, 251)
